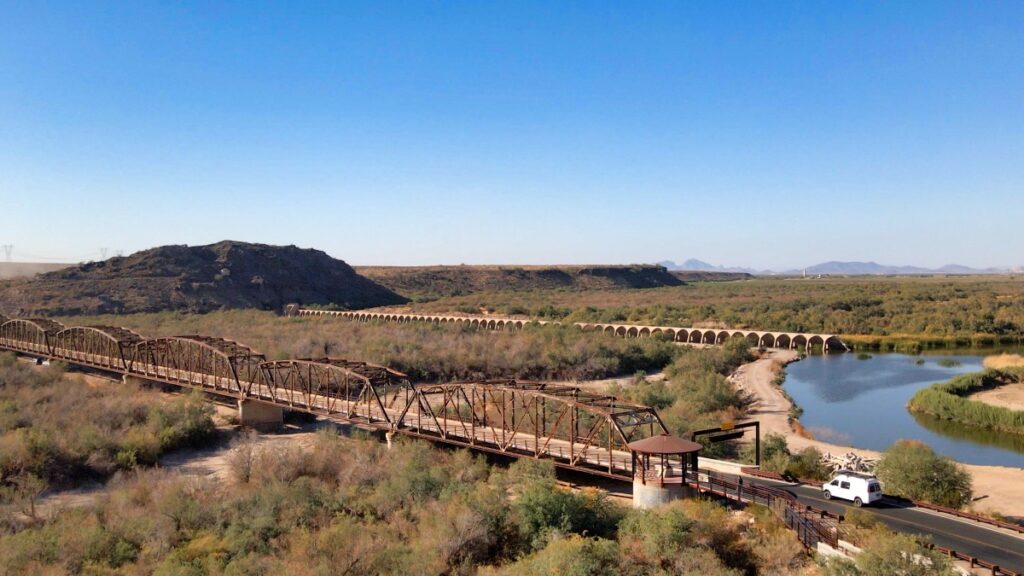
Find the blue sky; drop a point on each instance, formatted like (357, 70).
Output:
(762, 134)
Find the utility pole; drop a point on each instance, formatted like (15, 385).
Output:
(8, 248)
(103, 253)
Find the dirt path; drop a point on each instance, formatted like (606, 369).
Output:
(210, 461)
(601, 386)
(996, 488)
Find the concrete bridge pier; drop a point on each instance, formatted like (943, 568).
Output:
(260, 415)
(140, 382)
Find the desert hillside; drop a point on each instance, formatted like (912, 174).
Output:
(439, 281)
(196, 279)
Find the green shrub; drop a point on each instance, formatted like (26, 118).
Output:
(572, 556)
(807, 464)
(911, 469)
(894, 554)
(543, 510)
(64, 429)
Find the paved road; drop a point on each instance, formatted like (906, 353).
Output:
(972, 538)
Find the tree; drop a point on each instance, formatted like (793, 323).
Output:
(913, 470)
(23, 493)
(243, 456)
(544, 509)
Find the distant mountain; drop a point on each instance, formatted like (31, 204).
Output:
(876, 269)
(837, 268)
(694, 265)
(863, 268)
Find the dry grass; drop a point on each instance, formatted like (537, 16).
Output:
(1000, 361)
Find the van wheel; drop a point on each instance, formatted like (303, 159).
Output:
(828, 495)
(858, 502)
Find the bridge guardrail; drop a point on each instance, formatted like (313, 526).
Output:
(811, 525)
(974, 562)
(969, 516)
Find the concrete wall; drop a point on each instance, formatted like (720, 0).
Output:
(260, 415)
(652, 494)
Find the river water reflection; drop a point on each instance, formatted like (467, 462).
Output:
(862, 403)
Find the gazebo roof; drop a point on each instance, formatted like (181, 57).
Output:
(664, 444)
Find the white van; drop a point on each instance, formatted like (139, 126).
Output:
(858, 487)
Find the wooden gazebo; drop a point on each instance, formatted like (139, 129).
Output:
(664, 459)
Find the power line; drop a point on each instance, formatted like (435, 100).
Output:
(38, 258)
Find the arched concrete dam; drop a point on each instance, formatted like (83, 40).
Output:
(765, 339)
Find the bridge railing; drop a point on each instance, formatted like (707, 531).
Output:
(811, 526)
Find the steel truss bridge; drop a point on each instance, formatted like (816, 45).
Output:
(573, 428)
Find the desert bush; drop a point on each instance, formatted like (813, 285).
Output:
(696, 393)
(808, 464)
(911, 469)
(892, 554)
(574, 555)
(660, 539)
(544, 510)
(244, 455)
(418, 510)
(63, 428)
(423, 351)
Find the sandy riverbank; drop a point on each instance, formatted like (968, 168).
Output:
(996, 488)
(1007, 396)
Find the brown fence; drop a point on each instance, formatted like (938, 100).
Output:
(811, 525)
(974, 562)
(810, 533)
(970, 516)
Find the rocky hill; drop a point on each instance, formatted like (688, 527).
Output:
(440, 281)
(196, 279)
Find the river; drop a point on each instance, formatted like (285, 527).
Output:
(863, 403)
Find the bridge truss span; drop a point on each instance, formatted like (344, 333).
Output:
(104, 347)
(29, 335)
(573, 428)
(201, 361)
